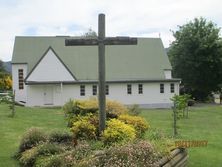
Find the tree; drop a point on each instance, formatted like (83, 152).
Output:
(196, 57)
(90, 33)
(5, 78)
(2, 69)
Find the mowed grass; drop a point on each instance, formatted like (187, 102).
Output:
(12, 129)
(204, 123)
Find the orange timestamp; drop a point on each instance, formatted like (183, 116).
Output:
(191, 143)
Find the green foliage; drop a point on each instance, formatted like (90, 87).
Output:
(196, 57)
(137, 122)
(83, 128)
(31, 138)
(60, 137)
(139, 153)
(118, 132)
(134, 110)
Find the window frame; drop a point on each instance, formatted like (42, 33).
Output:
(82, 90)
(20, 79)
(172, 88)
(161, 87)
(140, 88)
(94, 90)
(107, 89)
(129, 89)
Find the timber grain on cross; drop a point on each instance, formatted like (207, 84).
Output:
(101, 41)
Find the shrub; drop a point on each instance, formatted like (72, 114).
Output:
(88, 106)
(49, 149)
(140, 153)
(118, 132)
(76, 108)
(60, 137)
(49, 161)
(114, 109)
(31, 138)
(28, 157)
(71, 110)
(134, 110)
(137, 122)
(83, 128)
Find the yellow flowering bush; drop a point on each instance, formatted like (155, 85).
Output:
(74, 108)
(83, 128)
(5, 82)
(118, 132)
(88, 105)
(137, 122)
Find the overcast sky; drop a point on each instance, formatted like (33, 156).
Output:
(138, 18)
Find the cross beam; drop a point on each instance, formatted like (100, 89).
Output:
(101, 41)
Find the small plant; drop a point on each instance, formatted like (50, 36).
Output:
(180, 104)
(137, 122)
(32, 138)
(118, 132)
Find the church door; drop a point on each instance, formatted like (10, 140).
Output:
(48, 95)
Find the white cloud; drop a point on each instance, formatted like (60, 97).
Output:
(125, 17)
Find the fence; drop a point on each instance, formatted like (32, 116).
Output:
(177, 158)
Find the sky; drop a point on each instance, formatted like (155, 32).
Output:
(135, 18)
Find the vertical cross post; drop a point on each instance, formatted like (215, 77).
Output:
(101, 41)
(102, 84)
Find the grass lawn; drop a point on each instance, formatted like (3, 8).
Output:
(12, 129)
(204, 123)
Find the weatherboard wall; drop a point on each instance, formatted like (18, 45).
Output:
(151, 96)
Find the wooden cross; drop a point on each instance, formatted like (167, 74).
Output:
(101, 41)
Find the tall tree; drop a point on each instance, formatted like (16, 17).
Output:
(196, 57)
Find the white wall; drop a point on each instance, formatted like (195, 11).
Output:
(168, 74)
(20, 94)
(151, 96)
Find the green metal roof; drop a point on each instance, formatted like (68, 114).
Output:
(144, 61)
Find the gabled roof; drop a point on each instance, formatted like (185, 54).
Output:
(144, 61)
(54, 65)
